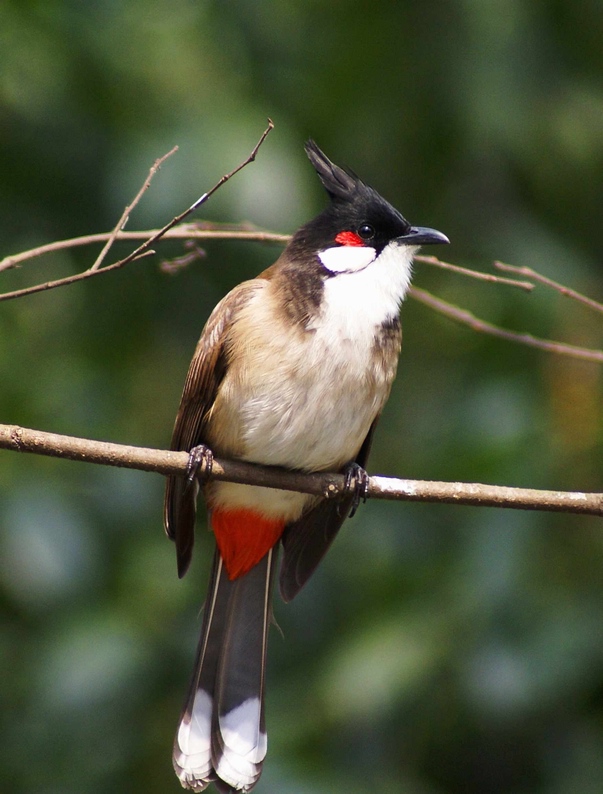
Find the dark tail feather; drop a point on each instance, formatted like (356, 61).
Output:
(222, 735)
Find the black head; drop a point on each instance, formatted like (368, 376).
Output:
(355, 209)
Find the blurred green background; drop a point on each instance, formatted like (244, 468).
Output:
(438, 649)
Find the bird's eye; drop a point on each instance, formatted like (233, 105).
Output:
(366, 231)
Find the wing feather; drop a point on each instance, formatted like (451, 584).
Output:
(205, 375)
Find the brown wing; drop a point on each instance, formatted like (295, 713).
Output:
(205, 374)
(307, 540)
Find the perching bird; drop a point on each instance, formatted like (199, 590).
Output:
(293, 369)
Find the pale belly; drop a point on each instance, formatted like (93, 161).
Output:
(310, 412)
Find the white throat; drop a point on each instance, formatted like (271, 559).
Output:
(365, 290)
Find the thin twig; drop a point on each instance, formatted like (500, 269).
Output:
(126, 213)
(202, 199)
(476, 324)
(193, 253)
(533, 274)
(478, 274)
(64, 282)
(328, 485)
(185, 231)
(144, 248)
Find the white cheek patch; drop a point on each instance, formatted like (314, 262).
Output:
(347, 258)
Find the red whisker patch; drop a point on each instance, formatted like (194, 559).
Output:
(349, 238)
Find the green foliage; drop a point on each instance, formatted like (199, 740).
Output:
(439, 649)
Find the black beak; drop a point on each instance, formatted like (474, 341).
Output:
(421, 235)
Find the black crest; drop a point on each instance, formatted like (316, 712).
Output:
(337, 182)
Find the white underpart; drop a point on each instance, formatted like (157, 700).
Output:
(193, 762)
(309, 404)
(244, 745)
(347, 258)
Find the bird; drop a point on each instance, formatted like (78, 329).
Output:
(293, 369)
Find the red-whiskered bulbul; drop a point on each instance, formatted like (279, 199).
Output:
(292, 369)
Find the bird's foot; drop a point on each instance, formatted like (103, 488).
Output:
(356, 485)
(199, 466)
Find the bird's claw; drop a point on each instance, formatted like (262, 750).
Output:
(200, 464)
(356, 485)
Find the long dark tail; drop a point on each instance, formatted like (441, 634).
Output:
(222, 736)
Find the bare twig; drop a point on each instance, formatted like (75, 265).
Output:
(467, 318)
(145, 248)
(64, 282)
(202, 199)
(126, 213)
(477, 274)
(185, 231)
(533, 274)
(193, 253)
(328, 485)
(109, 238)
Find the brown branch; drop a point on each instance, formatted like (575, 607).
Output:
(185, 231)
(328, 485)
(202, 199)
(67, 280)
(477, 274)
(9, 262)
(476, 324)
(126, 213)
(145, 248)
(533, 274)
